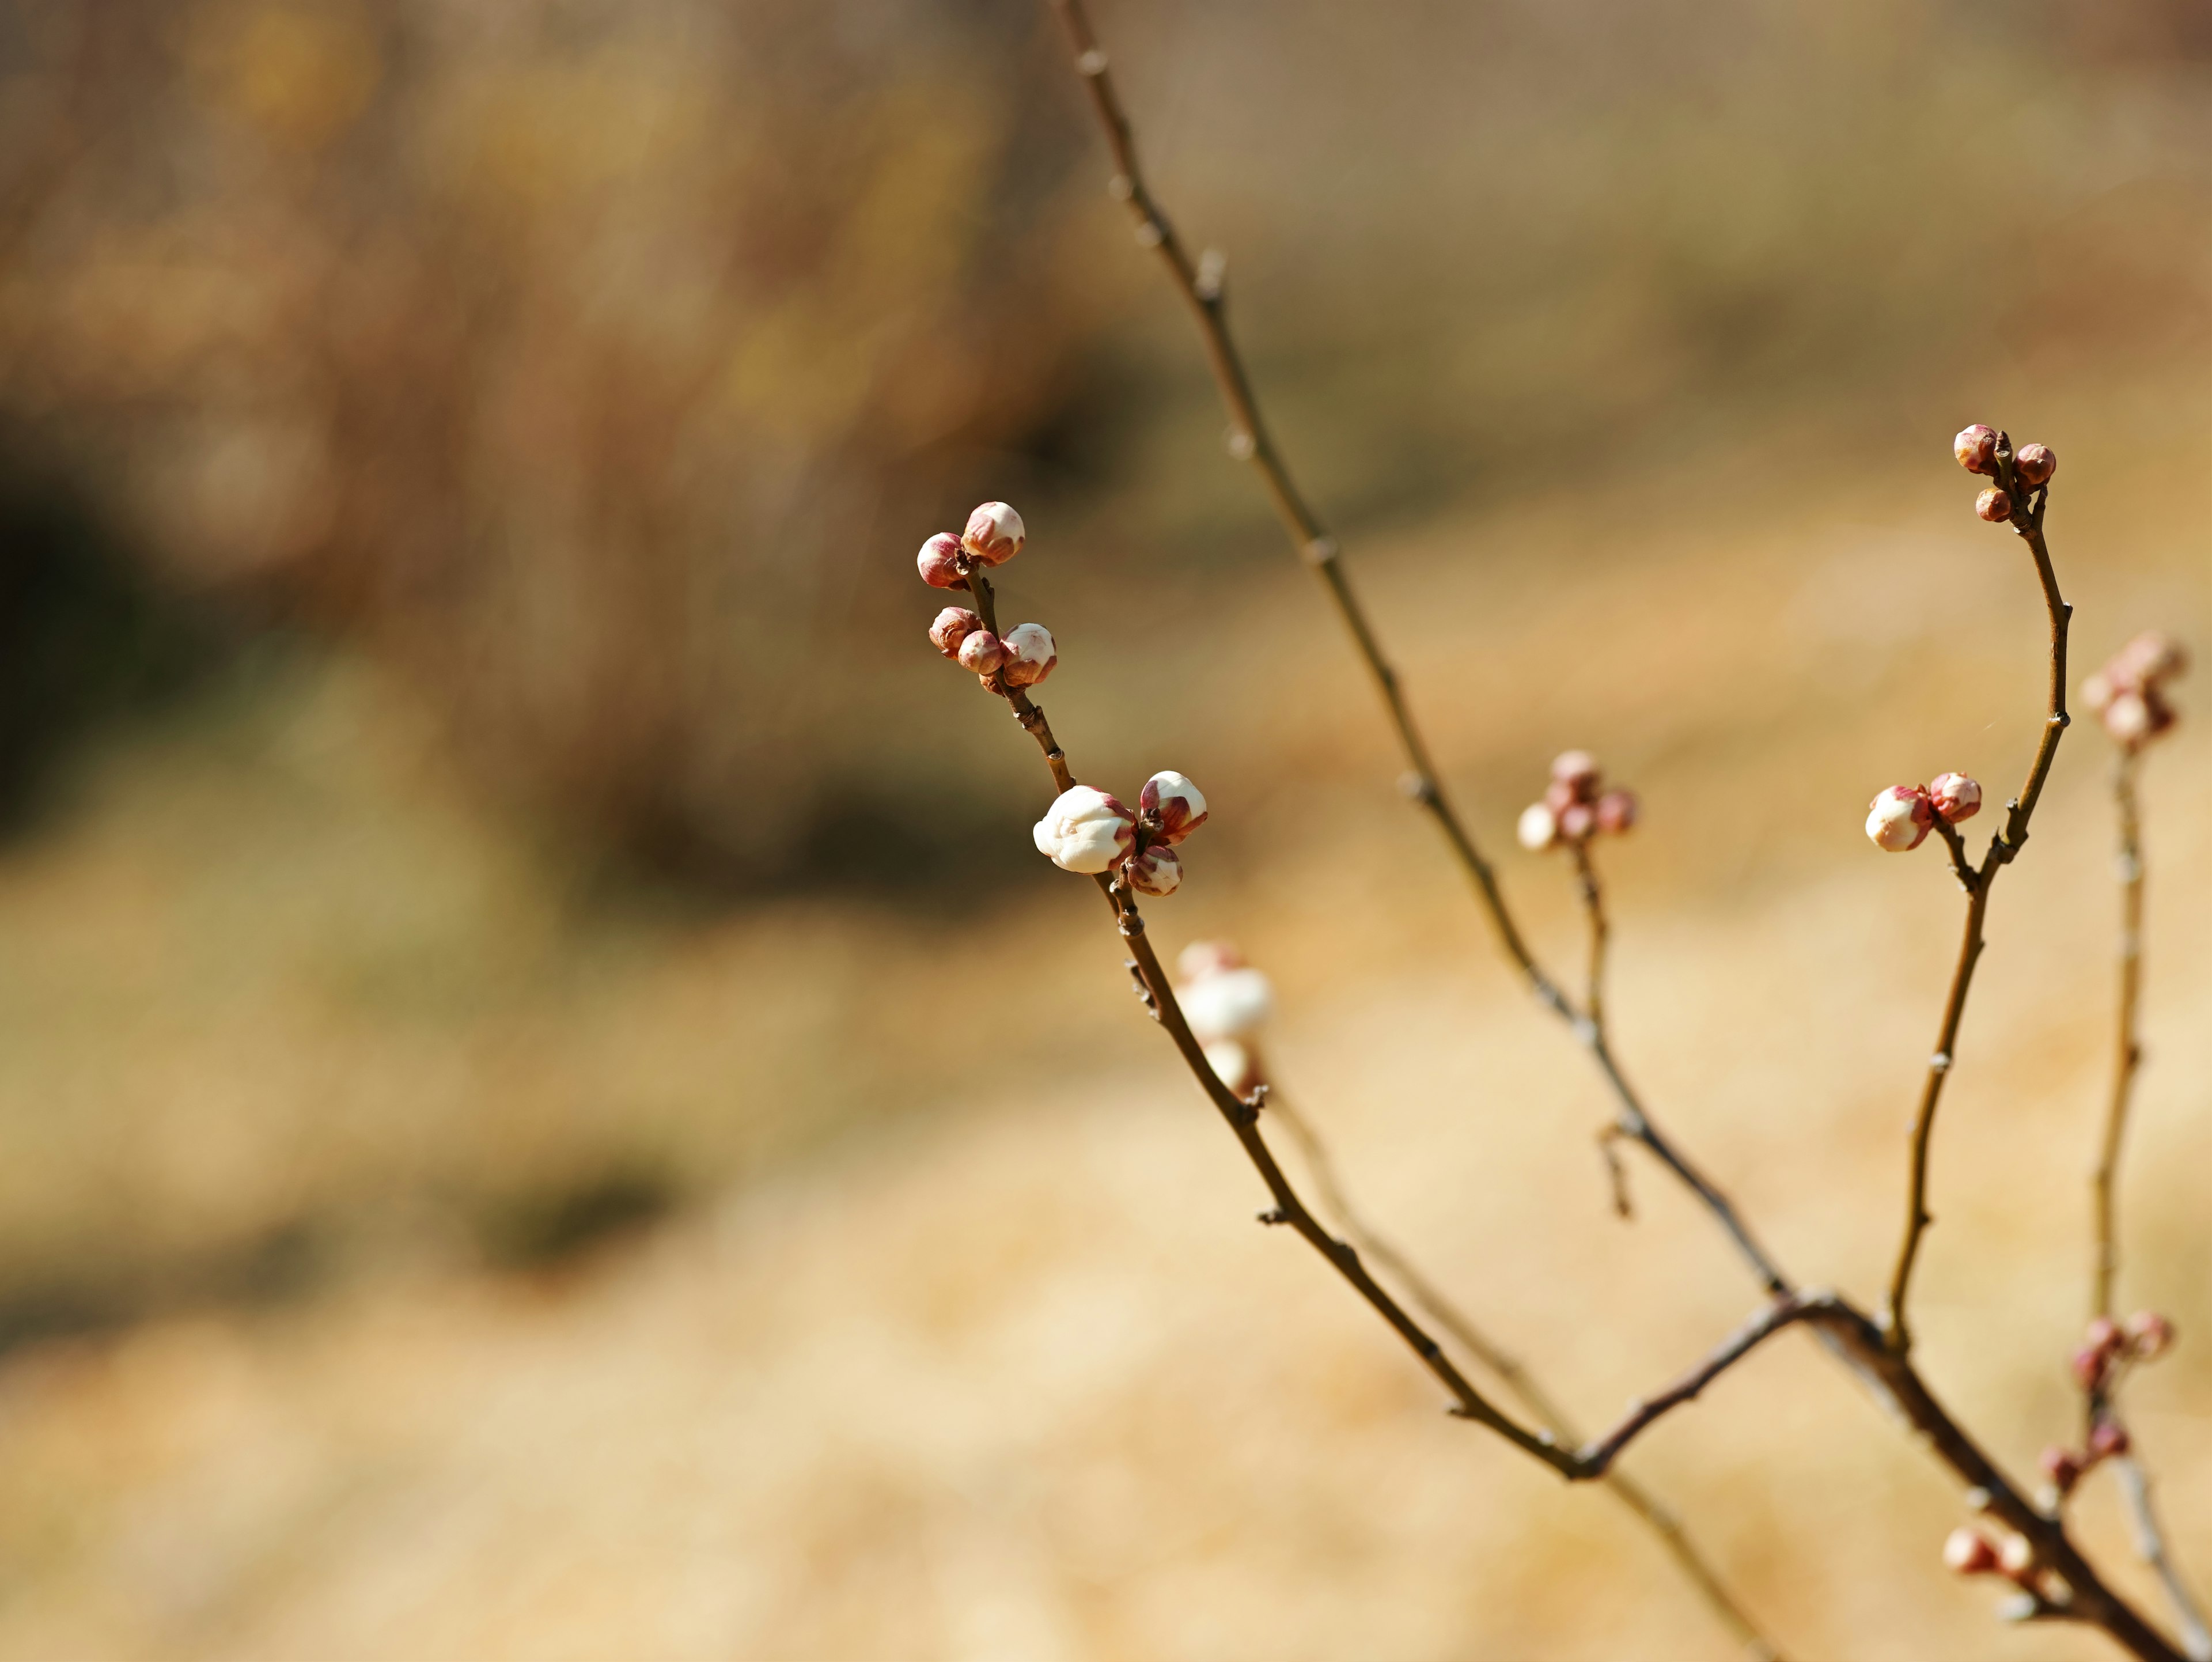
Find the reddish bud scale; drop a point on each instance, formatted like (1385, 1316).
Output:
(2108, 1441)
(1968, 1552)
(2150, 1334)
(1616, 811)
(1954, 796)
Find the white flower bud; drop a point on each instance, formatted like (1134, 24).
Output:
(1227, 1004)
(1029, 654)
(1899, 819)
(1157, 870)
(940, 562)
(1968, 1552)
(1954, 796)
(2098, 690)
(1085, 830)
(1205, 957)
(1234, 1063)
(1539, 828)
(2152, 656)
(995, 533)
(2016, 1557)
(1173, 807)
(2128, 718)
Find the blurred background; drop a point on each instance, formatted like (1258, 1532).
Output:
(547, 1105)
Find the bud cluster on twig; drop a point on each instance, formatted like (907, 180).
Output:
(1087, 830)
(1899, 819)
(1987, 451)
(2128, 693)
(1575, 805)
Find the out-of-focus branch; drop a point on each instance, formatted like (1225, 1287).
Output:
(2127, 1054)
(1514, 1376)
(1593, 898)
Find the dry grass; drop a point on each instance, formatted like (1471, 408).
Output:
(1017, 1376)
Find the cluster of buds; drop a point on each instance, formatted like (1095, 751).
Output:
(1901, 817)
(1025, 653)
(1983, 450)
(1969, 1552)
(2110, 1347)
(1575, 806)
(1226, 1003)
(2129, 694)
(1087, 830)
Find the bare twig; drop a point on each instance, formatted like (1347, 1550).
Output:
(1514, 1374)
(1593, 896)
(2127, 1055)
(2151, 1548)
(2004, 848)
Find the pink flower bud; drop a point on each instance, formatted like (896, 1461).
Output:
(1235, 1064)
(1085, 830)
(1204, 958)
(2016, 1557)
(940, 562)
(1954, 796)
(1616, 811)
(2098, 691)
(2129, 719)
(1227, 1004)
(1899, 819)
(2152, 656)
(2062, 1467)
(1993, 506)
(1559, 796)
(1030, 655)
(2035, 464)
(995, 533)
(1577, 821)
(2103, 1336)
(954, 624)
(1538, 828)
(1156, 869)
(1976, 447)
(1577, 770)
(1968, 1552)
(2108, 1441)
(2089, 1366)
(982, 652)
(1172, 808)
(2150, 1334)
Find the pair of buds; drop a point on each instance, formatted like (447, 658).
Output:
(2032, 465)
(1087, 830)
(1901, 817)
(995, 535)
(2129, 694)
(1022, 657)
(2110, 1346)
(1575, 805)
(2108, 1441)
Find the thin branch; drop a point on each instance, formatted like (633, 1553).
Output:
(2151, 1548)
(1601, 1454)
(1514, 1376)
(2127, 1055)
(2004, 848)
(1593, 898)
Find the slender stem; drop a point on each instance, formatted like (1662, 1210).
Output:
(2128, 1052)
(1514, 1376)
(2151, 1548)
(1593, 908)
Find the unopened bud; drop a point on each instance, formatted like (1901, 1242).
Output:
(1968, 1552)
(982, 652)
(1204, 958)
(2108, 1441)
(1172, 807)
(1954, 796)
(1234, 1063)
(1976, 447)
(2088, 1366)
(995, 533)
(1227, 1004)
(1899, 819)
(954, 624)
(2062, 1466)
(2150, 1334)
(1538, 828)
(1577, 821)
(2129, 719)
(1156, 870)
(2016, 1557)
(1085, 830)
(940, 562)
(2035, 464)
(1993, 506)
(2103, 1334)
(1030, 655)
(1560, 795)
(2151, 657)
(1616, 811)
(1577, 770)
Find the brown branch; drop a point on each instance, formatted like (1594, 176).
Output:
(2150, 1546)
(1593, 898)
(1601, 1454)
(2128, 1052)
(1516, 1377)
(2004, 848)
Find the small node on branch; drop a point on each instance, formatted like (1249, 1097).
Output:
(1121, 187)
(1898, 820)
(1091, 62)
(1212, 272)
(1273, 1215)
(1240, 443)
(1150, 234)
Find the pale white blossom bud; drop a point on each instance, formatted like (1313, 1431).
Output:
(1030, 655)
(1172, 807)
(1205, 957)
(1234, 1063)
(2098, 691)
(1577, 821)
(982, 652)
(954, 624)
(1577, 770)
(2152, 656)
(1976, 447)
(995, 533)
(1954, 796)
(1227, 1004)
(1899, 819)
(940, 562)
(1538, 828)
(2016, 1557)
(2128, 718)
(1156, 869)
(1085, 830)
